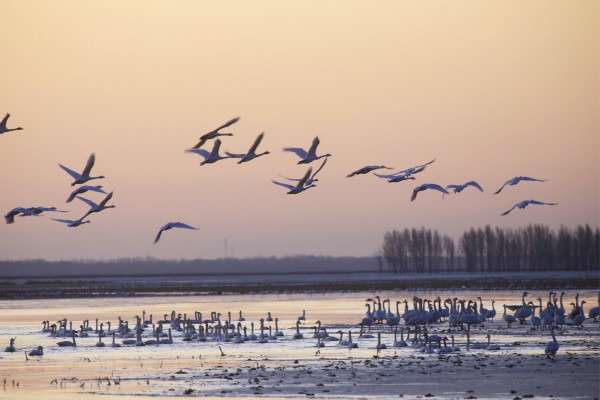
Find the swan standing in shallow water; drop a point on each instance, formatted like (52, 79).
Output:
(171, 225)
(215, 133)
(525, 203)
(251, 154)
(552, 346)
(517, 179)
(4, 129)
(307, 156)
(85, 175)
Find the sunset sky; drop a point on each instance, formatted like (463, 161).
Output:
(491, 90)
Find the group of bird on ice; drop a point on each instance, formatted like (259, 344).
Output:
(294, 185)
(429, 321)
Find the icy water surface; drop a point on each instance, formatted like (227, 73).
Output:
(287, 367)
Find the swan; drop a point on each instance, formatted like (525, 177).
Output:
(508, 317)
(215, 133)
(351, 344)
(251, 154)
(517, 179)
(209, 157)
(72, 223)
(83, 189)
(525, 203)
(426, 186)
(100, 343)
(595, 311)
(85, 175)
(37, 352)
(11, 347)
(460, 188)
(310, 156)
(171, 225)
(380, 346)
(298, 335)
(94, 208)
(312, 179)
(301, 186)
(366, 170)
(68, 343)
(27, 212)
(552, 346)
(303, 316)
(491, 346)
(405, 174)
(579, 318)
(4, 129)
(114, 344)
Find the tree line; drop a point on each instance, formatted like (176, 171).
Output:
(531, 248)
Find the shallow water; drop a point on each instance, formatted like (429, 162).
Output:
(169, 370)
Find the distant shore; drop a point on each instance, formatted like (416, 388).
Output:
(211, 284)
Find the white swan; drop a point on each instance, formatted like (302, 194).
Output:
(215, 133)
(517, 179)
(552, 346)
(72, 223)
(393, 178)
(209, 157)
(94, 208)
(251, 154)
(68, 343)
(311, 179)
(85, 175)
(4, 129)
(405, 174)
(11, 347)
(366, 170)
(460, 188)
(171, 225)
(83, 189)
(27, 212)
(307, 156)
(525, 203)
(426, 186)
(298, 335)
(37, 352)
(301, 186)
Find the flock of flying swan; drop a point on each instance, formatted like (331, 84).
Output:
(293, 185)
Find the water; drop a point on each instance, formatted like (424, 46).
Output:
(169, 370)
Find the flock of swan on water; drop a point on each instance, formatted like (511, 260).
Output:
(429, 326)
(293, 185)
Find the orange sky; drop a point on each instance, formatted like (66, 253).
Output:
(492, 90)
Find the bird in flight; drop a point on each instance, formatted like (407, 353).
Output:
(94, 208)
(366, 170)
(83, 189)
(215, 133)
(27, 212)
(301, 186)
(404, 174)
(171, 225)
(72, 223)
(426, 186)
(525, 203)
(517, 179)
(85, 175)
(251, 154)
(311, 179)
(460, 188)
(209, 157)
(4, 129)
(307, 156)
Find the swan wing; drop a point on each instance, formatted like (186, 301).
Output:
(474, 184)
(69, 171)
(541, 203)
(3, 122)
(234, 155)
(257, 141)
(320, 168)
(64, 221)
(285, 185)
(182, 225)
(106, 199)
(302, 181)
(298, 151)
(88, 202)
(157, 238)
(290, 179)
(313, 147)
(507, 211)
(228, 123)
(526, 178)
(201, 152)
(89, 165)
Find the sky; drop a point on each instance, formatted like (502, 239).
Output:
(490, 90)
